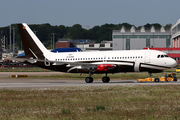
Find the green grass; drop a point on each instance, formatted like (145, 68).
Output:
(25, 69)
(113, 102)
(78, 76)
(119, 76)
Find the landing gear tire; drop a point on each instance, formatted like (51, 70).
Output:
(156, 80)
(105, 79)
(89, 80)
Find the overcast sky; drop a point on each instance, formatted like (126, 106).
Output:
(89, 12)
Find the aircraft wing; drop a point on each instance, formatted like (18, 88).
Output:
(96, 66)
(91, 64)
(22, 59)
(17, 59)
(104, 66)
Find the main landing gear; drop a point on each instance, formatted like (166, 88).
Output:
(105, 79)
(90, 79)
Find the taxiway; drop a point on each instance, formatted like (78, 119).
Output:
(26, 83)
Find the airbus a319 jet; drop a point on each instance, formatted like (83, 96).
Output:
(98, 62)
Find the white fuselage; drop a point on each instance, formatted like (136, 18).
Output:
(136, 58)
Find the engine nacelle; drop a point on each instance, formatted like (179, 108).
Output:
(104, 67)
(136, 66)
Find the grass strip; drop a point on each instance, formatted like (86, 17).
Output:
(119, 76)
(112, 102)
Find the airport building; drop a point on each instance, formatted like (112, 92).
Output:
(1, 50)
(174, 50)
(103, 46)
(84, 44)
(175, 31)
(138, 39)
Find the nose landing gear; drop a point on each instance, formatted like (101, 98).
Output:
(89, 79)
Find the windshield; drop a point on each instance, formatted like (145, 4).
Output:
(162, 56)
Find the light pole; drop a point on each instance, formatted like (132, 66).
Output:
(13, 39)
(53, 39)
(10, 37)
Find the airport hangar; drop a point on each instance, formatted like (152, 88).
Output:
(167, 41)
(138, 39)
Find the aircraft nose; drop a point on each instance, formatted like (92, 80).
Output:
(173, 63)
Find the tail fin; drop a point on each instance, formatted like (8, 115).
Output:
(31, 44)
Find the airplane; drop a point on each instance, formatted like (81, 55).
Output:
(98, 62)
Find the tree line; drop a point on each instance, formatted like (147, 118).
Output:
(97, 33)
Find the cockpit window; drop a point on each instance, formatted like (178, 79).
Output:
(162, 56)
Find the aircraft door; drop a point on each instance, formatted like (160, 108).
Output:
(147, 57)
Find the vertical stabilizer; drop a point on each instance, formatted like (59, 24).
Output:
(31, 44)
